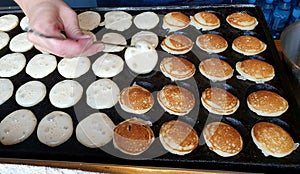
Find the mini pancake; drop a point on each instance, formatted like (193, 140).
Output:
(6, 90)
(176, 100)
(177, 68)
(41, 65)
(146, 20)
(242, 21)
(8, 22)
(136, 99)
(175, 21)
(55, 128)
(96, 130)
(248, 45)
(211, 43)
(142, 59)
(178, 137)
(114, 38)
(11, 64)
(222, 139)
(272, 139)
(146, 36)
(102, 94)
(117, 20)
(108, 65)
(73, 67)
(31, 93)
(4, 39)
(24, 23)
(65, 93)
(219, 101)
(177, 44)
(255, 70)
(215, 69)
(89, 20)
(17, 127)
(267, 103)
(133, 136)
(205, 20)
(20, 43)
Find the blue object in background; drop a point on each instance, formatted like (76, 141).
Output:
(280, 18)
(267, 7)
(295, 13)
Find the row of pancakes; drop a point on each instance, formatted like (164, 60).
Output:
(173, 21)
(134, 136)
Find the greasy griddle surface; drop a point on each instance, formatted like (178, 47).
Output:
(249, 159)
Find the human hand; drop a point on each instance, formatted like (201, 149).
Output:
(51, 17)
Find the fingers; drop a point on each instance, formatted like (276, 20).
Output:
(66, 48)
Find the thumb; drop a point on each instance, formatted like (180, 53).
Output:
(72, 29)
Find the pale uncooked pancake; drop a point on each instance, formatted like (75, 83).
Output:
(8, 22)
(24, 23)
(146, 20)
(102, 94)
(31, 93)
(108, 65)
(89, 20)
(147, 36)
(96, 130)
(65, 93)
(17, 127)
(55, 128)
(41, 65)
(141, 59)
(117, 20)
(114, 38)
(11, 64)
(74, 67)
(6, 90)
(4, 39)
(20, 43)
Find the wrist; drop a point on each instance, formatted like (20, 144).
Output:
(27, 5)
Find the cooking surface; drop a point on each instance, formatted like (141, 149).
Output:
(249, 159)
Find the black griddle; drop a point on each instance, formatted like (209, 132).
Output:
(250, 159)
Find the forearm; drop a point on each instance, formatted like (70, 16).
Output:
(28, 5)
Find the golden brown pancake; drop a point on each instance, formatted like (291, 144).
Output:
(248, 45)
(205, 20)
(219, 101)
(211, 43)
(175, 21)
(255, 70)
(178, 137)
(133, 136)
(272, 140)
(215, 69)
(223, 139)
(242, 21)
(176, 100)
(267, 103)
(177, 44)
(136, 99)
(177, 68)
